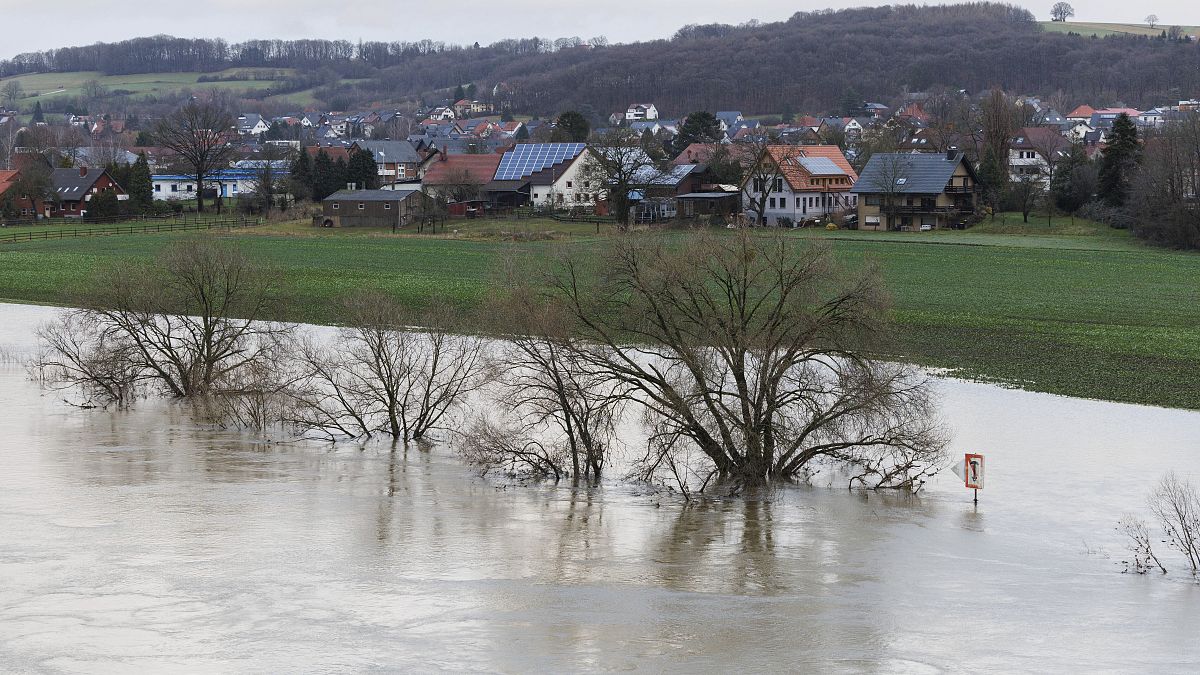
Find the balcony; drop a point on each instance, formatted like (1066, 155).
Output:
(922, 210)
(959, 189)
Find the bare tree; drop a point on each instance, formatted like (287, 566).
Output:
(765, 177)
(559, 413)
(198, 133)
(1152, 20)
(188, 325)
(1176, 504)
(458, 185)
(383, 377)
(887, 181)
(617, 164)
(12, 92)
(1140, 546)
(746, 349)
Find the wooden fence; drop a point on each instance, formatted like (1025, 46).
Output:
(140, 228)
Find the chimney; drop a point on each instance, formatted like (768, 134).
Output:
(951, 154)
(352, 186)
(83, 172)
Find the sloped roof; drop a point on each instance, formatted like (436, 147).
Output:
(397, 152)
(921, 173)
(7, 179)
(1040, 139)
(480, 168)
(70, 185)
(372, 195)
(335, 153)
(801, 164)
(1082, 111)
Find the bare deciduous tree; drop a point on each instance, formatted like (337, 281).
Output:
(189, 325)
(617, 164)
(382, 376)
(198, 134)
(1176, 504)
(1140, 546)
(748, 350)
(559, 413)
(765, 177)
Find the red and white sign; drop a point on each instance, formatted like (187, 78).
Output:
(973, 471)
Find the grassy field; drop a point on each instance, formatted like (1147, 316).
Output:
(1105, 29)
(1068, 308)
(43, 86)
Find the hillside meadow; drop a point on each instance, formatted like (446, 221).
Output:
(1066, 307)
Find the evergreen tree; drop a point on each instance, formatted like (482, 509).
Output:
(571, 127)
(522, 134)
(302, 177)
(459, 93)
(38, 117)
(470, 92)
(1062, 187)
(325, 177)
(144, 139)
(141, 185)
(362, 170)
(1119, 160)
(699, 127)
(104, 206)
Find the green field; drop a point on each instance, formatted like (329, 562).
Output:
(1106, 29)
(44, 86)
(1074, 309)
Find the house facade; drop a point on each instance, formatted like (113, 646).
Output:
(74, 190)
(1032, 154)
(641, 112)
(799, 183)
(395, 160)
(916, 191)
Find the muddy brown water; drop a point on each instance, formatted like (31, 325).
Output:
(140, 541)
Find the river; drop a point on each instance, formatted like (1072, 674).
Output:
(141, 541)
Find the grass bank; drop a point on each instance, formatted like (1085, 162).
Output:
(1063, 307)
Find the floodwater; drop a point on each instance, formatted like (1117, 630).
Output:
(141, 542)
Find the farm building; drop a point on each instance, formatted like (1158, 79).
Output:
(372, 208)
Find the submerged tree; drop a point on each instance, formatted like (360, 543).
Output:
(384, 377)
(186, 325)
(748, 352)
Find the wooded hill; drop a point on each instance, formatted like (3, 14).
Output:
(812, 62)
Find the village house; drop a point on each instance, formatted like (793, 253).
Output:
(641, 112)
(459, 180)
(466, 108)
(252, 124)
(547, 175)
(227, 183)
(1032, 153)
(396, 160)
(801, 183)
(372, 208)
(910, 191)
(75, 188)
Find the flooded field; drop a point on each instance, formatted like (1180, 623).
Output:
(140, 541)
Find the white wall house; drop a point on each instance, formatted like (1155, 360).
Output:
(641, 112)
(814, 182)
(229, 183)
(1027, 155)
(565, 186)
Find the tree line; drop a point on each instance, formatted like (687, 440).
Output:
(808, 62)
(745, 357)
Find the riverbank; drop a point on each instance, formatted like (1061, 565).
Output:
(1069, 308)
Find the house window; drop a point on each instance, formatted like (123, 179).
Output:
(778, 185)
(772, 200)
(783, 202)
(158, 188)
(568, 184)
(336, 206)
(361, 206)
(189, 188)
(871, 200)
(387, 206)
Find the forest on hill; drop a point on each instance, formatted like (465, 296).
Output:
(814, 61)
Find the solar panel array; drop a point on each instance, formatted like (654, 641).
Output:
(525, 160)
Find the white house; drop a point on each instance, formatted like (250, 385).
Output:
(641, 112)
(228, 183)
(553, 173)
(803, 182)
(252, 124)
(1032, 152)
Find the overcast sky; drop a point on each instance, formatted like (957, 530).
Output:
(461, 21)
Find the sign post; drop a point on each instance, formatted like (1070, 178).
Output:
(971, 471)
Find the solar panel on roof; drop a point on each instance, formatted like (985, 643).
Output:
(528, 159)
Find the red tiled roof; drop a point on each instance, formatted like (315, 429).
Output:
(1082, 111)
(7, 179)
(701, 153)
(334, 153)
(480, 168)
(799, 178)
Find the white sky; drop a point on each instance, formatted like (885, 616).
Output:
(459, 21)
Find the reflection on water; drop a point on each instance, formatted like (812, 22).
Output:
(139, 541)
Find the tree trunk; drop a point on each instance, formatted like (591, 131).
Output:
(200, 193)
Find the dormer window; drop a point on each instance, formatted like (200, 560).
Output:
(901, 181)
